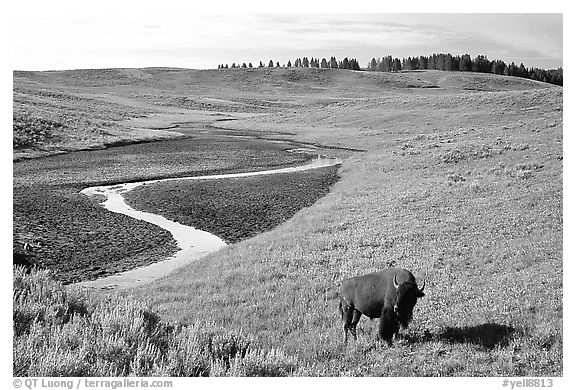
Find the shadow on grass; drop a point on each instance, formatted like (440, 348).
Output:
(488, 335)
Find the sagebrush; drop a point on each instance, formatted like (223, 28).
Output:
(64, 332)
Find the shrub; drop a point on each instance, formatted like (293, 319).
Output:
(194, 351)
(38, 298)
(525, 171)
(259, 363)
(455, 178)
(468, 152)
(519, 171)
(31, 131)
(60, 332)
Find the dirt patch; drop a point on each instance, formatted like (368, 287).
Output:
(56, 227)
(235, 209)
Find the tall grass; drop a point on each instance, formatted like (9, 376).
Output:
(64, 332)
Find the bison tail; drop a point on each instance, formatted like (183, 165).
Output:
(340, 309)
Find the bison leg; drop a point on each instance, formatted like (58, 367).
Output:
(355, 318)
(347, 315)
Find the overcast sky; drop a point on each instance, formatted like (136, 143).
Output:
(99, 34)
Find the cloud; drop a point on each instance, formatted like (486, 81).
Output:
(194, 38)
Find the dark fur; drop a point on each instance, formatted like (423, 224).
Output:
(388, 326)
(375, 296)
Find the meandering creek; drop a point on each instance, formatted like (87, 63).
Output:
(193, 243)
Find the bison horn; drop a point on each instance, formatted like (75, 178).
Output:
(395, 283)
(421, 289)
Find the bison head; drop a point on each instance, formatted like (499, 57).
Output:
(406, 296)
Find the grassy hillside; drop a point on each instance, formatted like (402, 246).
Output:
(461, 181)
(59, 111)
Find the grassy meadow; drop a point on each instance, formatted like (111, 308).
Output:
(461, 184)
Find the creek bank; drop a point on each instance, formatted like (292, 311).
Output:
(193, 243)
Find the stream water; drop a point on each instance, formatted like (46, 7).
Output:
(193, 243)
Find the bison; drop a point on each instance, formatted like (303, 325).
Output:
(389, 295)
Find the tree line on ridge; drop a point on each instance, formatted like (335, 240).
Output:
(304, 62)
(437, 61)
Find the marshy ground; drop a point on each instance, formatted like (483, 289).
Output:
(72, 235)
(461, 183)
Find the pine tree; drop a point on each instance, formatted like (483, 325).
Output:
(431, 62)
(324, 64)
(405, 64)
(448, 62)
(387, 63)
(423, 63)
(289, 64)
(373, 65)
(465, 63)
(382, 65)
(556, 76)
(333, 63)
(522, 71)
(498, 67)
(481, 64)
(250, 65)
(354, 65)
(305, 62)
(512, 69)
